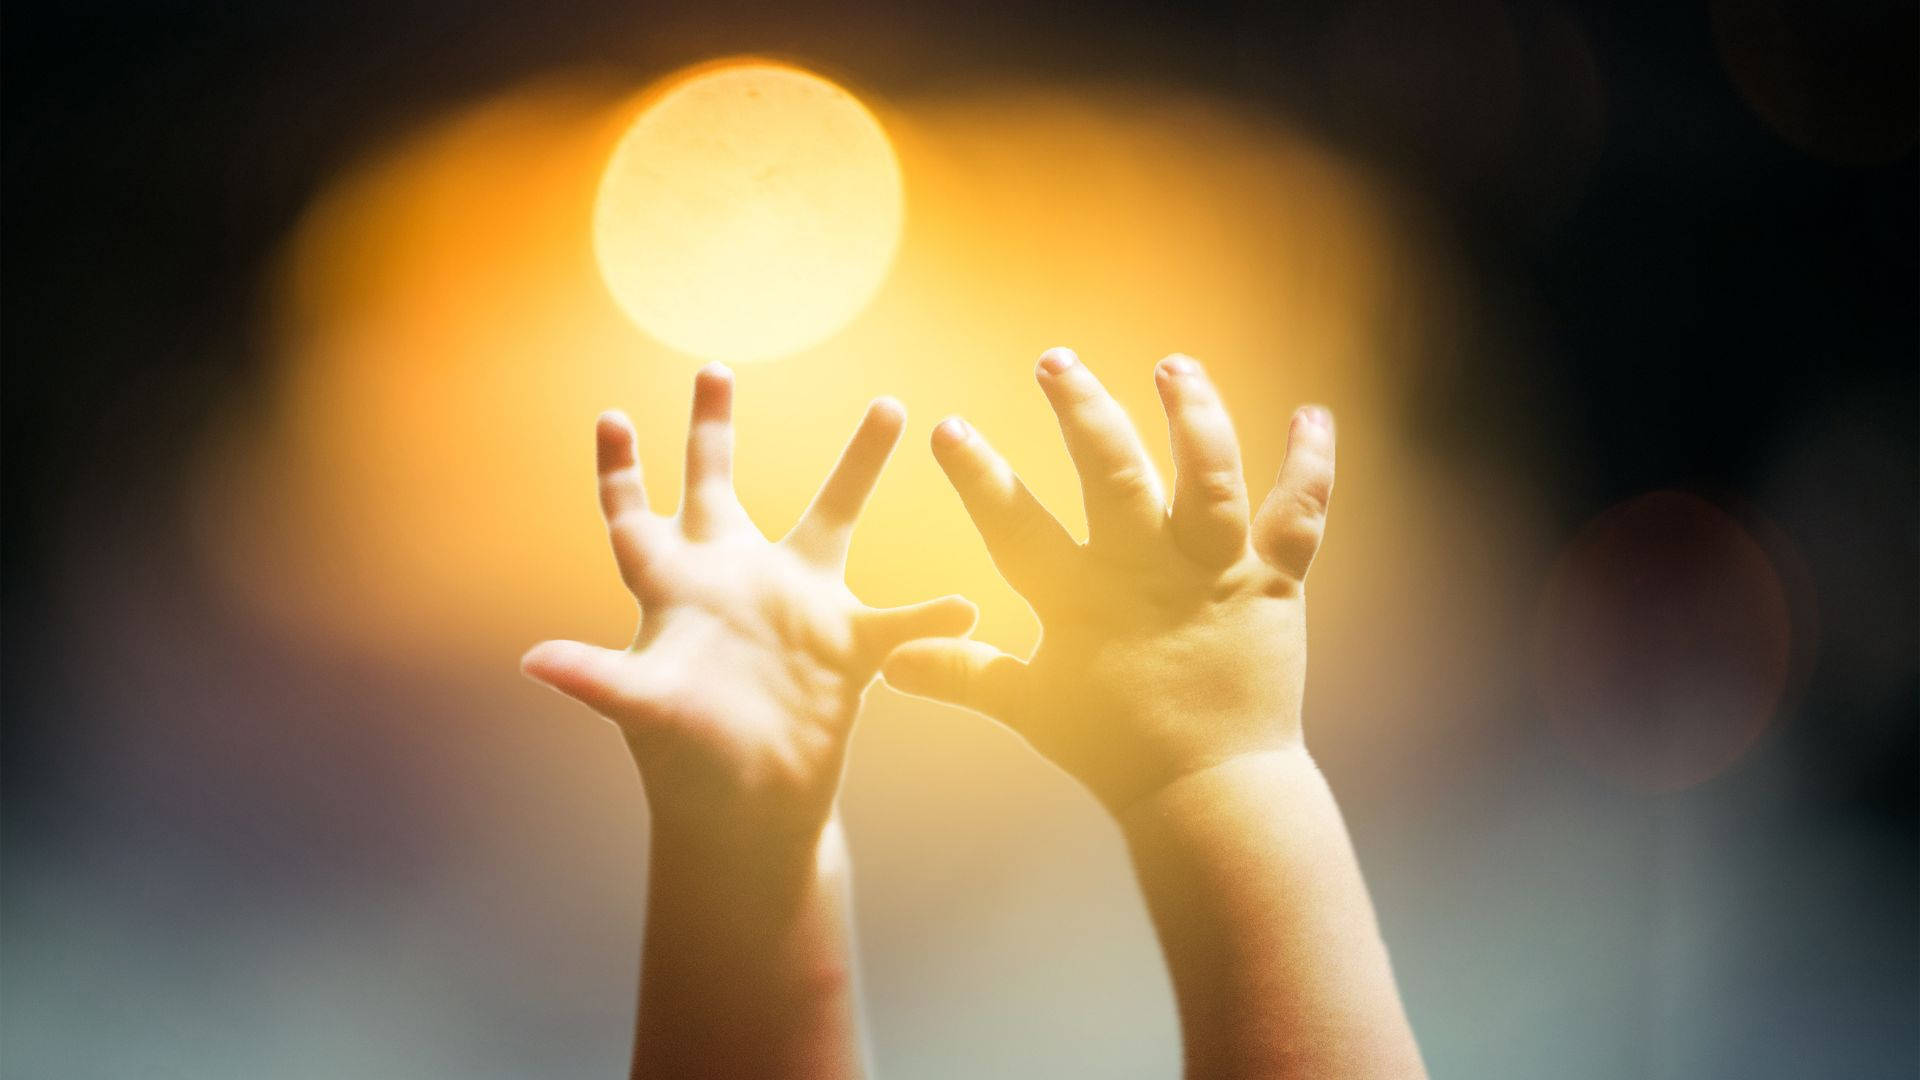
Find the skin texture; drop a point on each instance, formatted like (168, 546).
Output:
(737, 698)
(1168, 680)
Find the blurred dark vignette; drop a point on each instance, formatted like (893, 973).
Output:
(1687, 251)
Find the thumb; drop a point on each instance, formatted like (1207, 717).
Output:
(586, 673)
(970, 674)
(878, 631)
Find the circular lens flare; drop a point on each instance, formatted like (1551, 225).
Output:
(1665, 642)
(750, 211)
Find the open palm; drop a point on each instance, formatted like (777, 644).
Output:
(740, 689)
(1174, 638)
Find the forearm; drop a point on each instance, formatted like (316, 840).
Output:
(1276, 958)
(747, 969)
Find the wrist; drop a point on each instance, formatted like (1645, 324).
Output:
(1248, 779)
(749, 848)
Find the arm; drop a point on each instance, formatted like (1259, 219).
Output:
(736, 700)
(1277, 964)
(1168, 680)
(745, 970)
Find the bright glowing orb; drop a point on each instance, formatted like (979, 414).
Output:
(750, 211)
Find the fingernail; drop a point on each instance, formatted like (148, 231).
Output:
(952, 429)
(1318, 417)
(1056, 360)
(1178, 365)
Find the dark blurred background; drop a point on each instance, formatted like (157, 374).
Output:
(1686, 237)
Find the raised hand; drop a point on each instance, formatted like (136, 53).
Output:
(736, 698)
(1168, 680)
(1172, 640)
(739, 691)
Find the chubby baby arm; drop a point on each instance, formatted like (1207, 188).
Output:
(736, 699)
(1168, 680)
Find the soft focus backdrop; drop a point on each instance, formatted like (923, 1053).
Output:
(1614, 663)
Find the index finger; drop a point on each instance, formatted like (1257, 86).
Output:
(825, 530)
(1027, 544)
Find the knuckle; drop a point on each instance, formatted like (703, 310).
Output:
(1217, 485)
(1127, 476)
(960, 669)
(1283, 585)
(628, 521)
(1291, 544)
(1310, 500)
(1018, 529)
(958, 674)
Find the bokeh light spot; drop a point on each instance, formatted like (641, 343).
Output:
(1665, 642)
(750, 211)
(1836, 80)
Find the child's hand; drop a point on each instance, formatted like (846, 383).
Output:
(1172, 641)
(739, 692)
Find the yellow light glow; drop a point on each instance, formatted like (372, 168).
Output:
(411, 485)
(415, 481)
(750, 211)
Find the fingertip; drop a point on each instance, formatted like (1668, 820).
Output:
(713, 393)
(538, 662)
(882, 630)
(1176, 366)
(1056, 360)
(586, 673)
(613, 440)
(962, 614)
(1313, 419)
(950, 433)
(887, 411)
(1179, 380)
